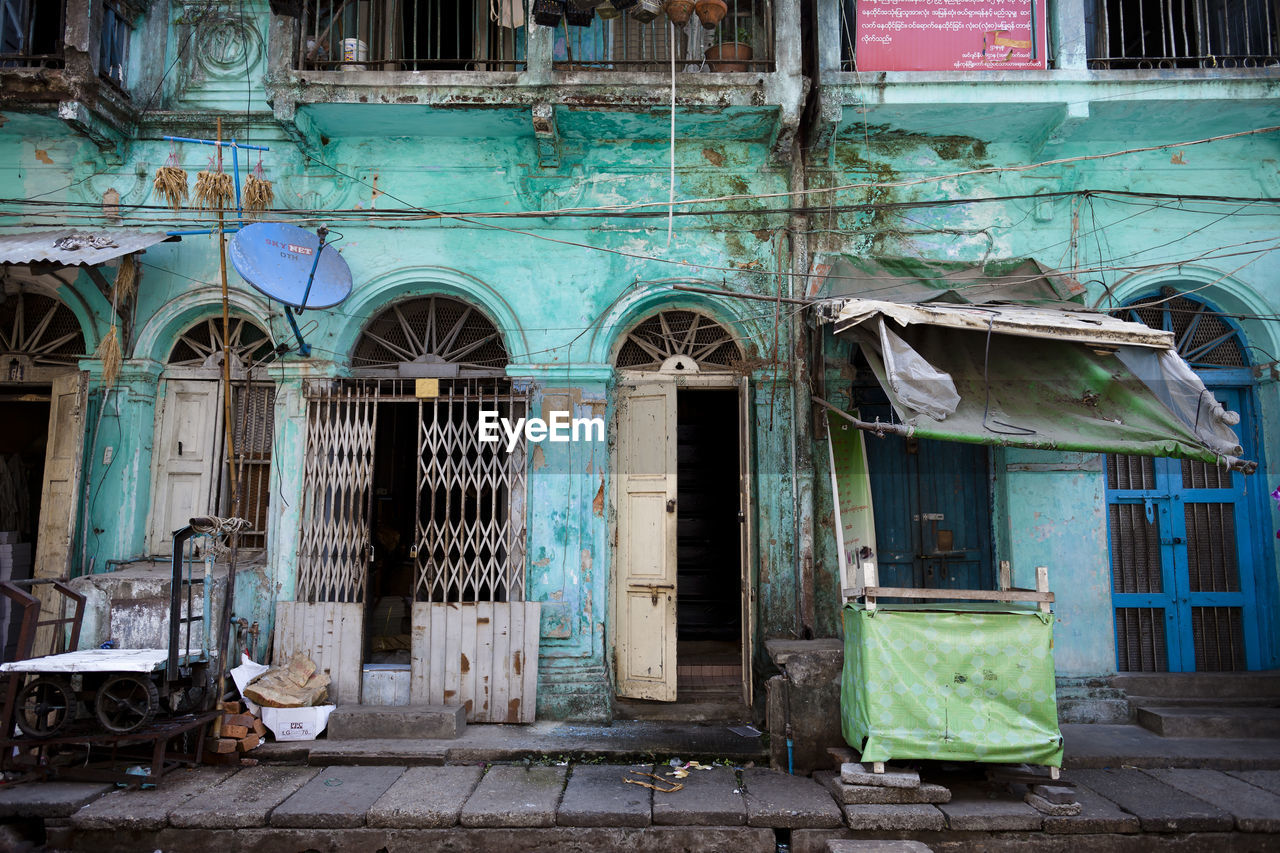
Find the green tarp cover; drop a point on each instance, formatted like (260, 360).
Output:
(1042, 394)
(950, 682)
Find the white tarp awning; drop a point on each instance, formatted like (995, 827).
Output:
(1021, 320)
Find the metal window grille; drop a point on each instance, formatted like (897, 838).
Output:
(625, 44)
(1211, 547)
(1184, 34)
(407, 35)
(470, 532)
(687, 333)
(1218, 635)
(41, 329)
(1140, 640)
(1135, 550)
(254, 435)
(31, 33)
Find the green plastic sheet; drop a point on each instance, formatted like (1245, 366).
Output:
(955, 682)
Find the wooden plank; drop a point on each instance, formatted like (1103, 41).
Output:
(330, 633)
(453, 634)
(532, 613)
(439, 644)
(467, 661)
(959, 594)
(500, 692)
(483, 661)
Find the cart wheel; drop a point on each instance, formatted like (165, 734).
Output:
(44, 705)
(126, 702)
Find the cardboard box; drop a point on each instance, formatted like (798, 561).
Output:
(297, 723)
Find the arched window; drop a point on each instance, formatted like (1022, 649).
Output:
(693, 339)
(39, 336)
(1205, 338)
(438, 335)
(193, 472)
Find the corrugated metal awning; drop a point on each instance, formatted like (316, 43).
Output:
(72, 247)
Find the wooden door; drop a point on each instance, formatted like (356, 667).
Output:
(645, 578)
(188, 448)
(59, 495)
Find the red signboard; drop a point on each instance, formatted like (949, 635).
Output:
(950, 35)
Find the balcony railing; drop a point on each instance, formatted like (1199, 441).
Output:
(476, 35)
(409, 35)
(1184, 34)
(743, 41)
(31, 34)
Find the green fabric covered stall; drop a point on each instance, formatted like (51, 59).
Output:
(960, 682)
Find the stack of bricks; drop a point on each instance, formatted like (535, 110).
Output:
(233, 734)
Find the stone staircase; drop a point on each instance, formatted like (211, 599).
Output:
(1205, 704)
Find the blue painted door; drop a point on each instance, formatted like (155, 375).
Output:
(1182, 543)
(933, 513)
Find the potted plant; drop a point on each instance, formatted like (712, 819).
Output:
(731, 55)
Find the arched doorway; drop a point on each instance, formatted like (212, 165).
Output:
(192, 471)
(413, 527)
(682, 580)
(1185, 537)
(43, 398)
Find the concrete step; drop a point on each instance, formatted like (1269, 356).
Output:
(694, 709)
(1218, 721)
(1203, 685)
(366, 722)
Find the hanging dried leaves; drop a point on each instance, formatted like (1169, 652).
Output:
(126, 279)
(171, 182)
(214, 190)
(109, 352)
(258, 194)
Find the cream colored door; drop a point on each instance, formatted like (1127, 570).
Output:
(645, 577)
(59, 493)
(747, 549)
(184, 462)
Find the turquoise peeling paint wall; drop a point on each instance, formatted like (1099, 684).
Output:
(562, 295)
(1049, 507)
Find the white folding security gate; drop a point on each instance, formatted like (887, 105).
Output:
(469, 542)
(470, 536)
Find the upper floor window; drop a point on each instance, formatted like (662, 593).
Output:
(413, 35)
(742, 40)
(30, 33)
(113, 53)
(1183, 34)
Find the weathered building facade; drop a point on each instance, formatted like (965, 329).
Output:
(532, 228)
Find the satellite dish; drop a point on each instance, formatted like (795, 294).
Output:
(293, 266)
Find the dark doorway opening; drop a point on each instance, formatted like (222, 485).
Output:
(932, 502)
(24, 436)
(708, 542)
(389, 603)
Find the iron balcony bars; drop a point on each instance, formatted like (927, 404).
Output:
(422, 35)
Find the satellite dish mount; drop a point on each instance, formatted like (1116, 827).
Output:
(292, 266)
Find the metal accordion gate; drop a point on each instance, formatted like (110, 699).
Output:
(474, 638)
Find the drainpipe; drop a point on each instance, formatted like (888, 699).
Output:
(801, 438)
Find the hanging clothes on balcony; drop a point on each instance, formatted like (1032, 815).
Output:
(507, 13)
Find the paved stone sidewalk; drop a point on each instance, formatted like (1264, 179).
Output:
(523, 807)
